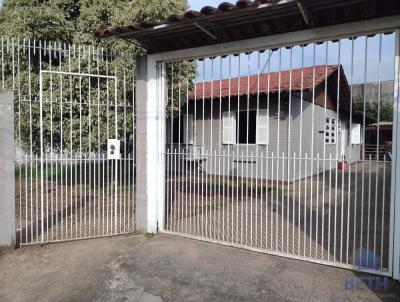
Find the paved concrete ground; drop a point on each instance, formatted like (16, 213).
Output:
(167, 268)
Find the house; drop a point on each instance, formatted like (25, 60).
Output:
(302, 113)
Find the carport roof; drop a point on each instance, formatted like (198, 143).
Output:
(246, 19)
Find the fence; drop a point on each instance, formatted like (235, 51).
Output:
(69, 101)
(283, 167)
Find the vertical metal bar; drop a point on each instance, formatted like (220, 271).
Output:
(80, 159)
(202, 143)
(282, 200)
(247, 144)
(26, 200)
(312, 148)
(251, 199)
(337, 149)
(117, 201)
(47, 200)
(19, 142)
(104, 200)
(383, 212)
(305, 203)
(329, 205)
(289, 149)
(300, 147)
(363, 153)
(124, 183)
(273, 217)
(224, 187)
(242, 199)
(324, 154)
(108, 216)
(187, 179)
(377, 148)
(220, 132)
(293, 204)
(89, 150)
(317, 209)
(369, 204)
(263, 212)
(179, 155)
(350, 156)
(61, 153)
(41, 153)
(197, 154)
(51, 136)
(37, 199)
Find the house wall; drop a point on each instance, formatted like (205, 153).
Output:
(303, 138)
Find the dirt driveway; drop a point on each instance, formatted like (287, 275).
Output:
(167, 268)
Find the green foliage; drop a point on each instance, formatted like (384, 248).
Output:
(373, 107)
(72, 22)
(180, 78)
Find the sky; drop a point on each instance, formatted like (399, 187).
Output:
(383, 70)
(198, 4)
(379, 67)
(194, 4)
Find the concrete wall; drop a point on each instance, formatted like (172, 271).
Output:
(7, 171)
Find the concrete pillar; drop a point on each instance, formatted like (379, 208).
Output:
(7, 171)
(150, 133)
(395, 206)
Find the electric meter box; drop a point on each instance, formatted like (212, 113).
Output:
(113, 149)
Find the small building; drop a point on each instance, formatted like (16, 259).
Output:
(378, 141)
(302, 113)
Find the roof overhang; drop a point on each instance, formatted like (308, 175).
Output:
(247, 19)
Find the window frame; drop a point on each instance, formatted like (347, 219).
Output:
(235, 116)
(187, 129)
(330, 123)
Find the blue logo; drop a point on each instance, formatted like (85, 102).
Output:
(367, 260)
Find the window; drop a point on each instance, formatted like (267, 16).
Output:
(181, 130)
(246, 127)
(330, 131)
(263, 127)
(188, 129)
(229, 128)
(236, 123)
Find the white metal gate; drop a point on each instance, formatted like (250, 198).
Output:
(286, 151)
(69, 102)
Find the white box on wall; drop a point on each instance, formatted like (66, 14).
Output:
(356, 134)
(113, 149)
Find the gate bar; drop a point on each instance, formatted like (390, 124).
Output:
(395, 193)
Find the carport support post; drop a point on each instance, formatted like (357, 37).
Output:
(395, 209)
(7, 171)
(150, 146)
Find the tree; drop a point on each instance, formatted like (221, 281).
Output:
(372, 107)
(71, 22)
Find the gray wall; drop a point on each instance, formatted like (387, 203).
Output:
(298, 140)
(7, 171)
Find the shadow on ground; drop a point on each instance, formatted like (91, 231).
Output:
(167, 268)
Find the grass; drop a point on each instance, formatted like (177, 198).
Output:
(93, 171)
(149, 235)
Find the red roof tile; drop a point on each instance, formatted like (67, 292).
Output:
(283, 81)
